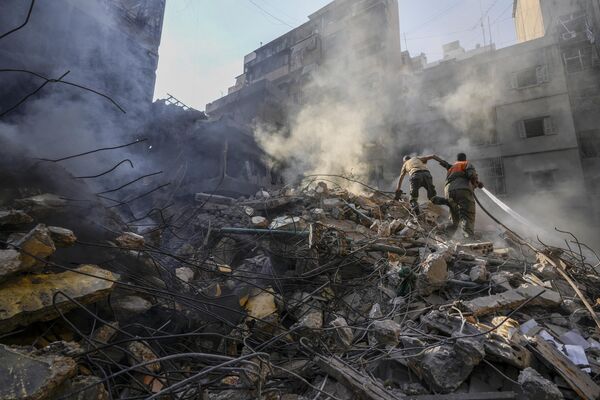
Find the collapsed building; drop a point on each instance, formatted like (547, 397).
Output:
(176, 283)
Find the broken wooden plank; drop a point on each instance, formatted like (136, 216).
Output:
(361, 384)
(467, 396)
(578, 380)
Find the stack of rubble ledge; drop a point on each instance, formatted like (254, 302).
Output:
(308, 293)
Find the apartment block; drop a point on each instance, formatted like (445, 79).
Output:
(356, 37)
(527, 114)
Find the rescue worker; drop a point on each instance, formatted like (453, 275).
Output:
(461, 180)
(419, 177)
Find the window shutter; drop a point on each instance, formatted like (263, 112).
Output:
(521, 129)
(548, 126)
(542, 74)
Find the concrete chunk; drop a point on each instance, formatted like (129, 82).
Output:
(10, 263)
(14, 217)
(62, 237)
(433, 275)
(386, 332)
(28, 299)
(536, 387)
(37, 244)
(25, 376)
(511, 299)
(130, 240)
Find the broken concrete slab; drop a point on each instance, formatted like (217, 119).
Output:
(344, 335)
(511, 299)
(433, 274)
(30, 298)
(384, 333)
(479, 274)
(26, 376)
(444, 368)
(536, 387)
(35, 246)
(42, 203)
(14, 217)
(10, 263)
(62, 237)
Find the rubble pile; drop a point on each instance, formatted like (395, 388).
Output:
(306, 293)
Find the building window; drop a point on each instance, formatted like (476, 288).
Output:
(530, 77)
(589, 143)
(580, 59)
(535, 127)
(491, 173)
(542, 179)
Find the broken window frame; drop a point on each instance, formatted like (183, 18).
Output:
(548, 127)
(581, 58)
(542, 76)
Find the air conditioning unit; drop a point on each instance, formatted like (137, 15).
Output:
(568, 35)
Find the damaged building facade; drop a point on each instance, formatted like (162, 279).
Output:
(527, 113)
(276, 73)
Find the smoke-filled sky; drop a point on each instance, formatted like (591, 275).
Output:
(204, 41)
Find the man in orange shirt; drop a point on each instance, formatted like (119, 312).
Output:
(461, 180)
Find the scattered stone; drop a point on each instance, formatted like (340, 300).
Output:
(14, 217)
(536, 387)
(262, 305)
(344, 335)
(501, 279)
(30, 298)
(186, 274)
(375, 312)
(10, 263)
(444, 368)
(479, 274)
(130, 306)
(62, 237)
(545, 271)
(46, 202)
(433, 275)
(131, 241)
(260, 222)
(35, 246)
(140, 353)
(386, 333)
(25, 376)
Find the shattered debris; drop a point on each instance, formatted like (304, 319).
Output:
(290, 294)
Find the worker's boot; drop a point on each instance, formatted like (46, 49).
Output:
(414, 205)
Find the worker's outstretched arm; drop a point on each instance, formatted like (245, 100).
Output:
(427, 158)
(442, 162)
(399, 186)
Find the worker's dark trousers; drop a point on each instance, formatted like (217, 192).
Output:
(423, 179)
(462, 211)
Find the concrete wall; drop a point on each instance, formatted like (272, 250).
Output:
(529, 21)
